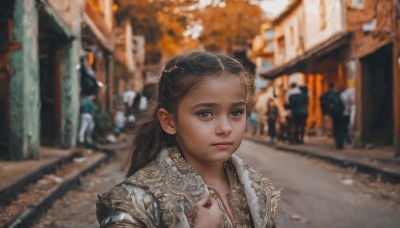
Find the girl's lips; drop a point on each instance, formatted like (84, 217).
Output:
(222, 145)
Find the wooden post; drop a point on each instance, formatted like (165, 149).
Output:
(71, 82)
(396, 82)
(396, 97)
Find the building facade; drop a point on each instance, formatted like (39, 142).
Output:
(351, 43)
(44, 46)
(262, 50)
(40, 60)
(375, 69)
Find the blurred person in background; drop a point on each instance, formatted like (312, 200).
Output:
(261, 109)
(298, 103)
(332, 105)
(86, 120)
(128, 98)
(272, 117)
(294, 90)
(252, 119)
(348, 99)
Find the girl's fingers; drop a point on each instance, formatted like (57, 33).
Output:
(204, 201)
(212, 203)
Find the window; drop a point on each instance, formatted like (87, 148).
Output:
(269, 34)
(291, 35)
(281, 48)
(357, 4)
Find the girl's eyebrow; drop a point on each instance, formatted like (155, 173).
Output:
(240, 103)
(208, 105)
(213, 105)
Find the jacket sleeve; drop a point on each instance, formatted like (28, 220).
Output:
(274, 196)
(127, 205)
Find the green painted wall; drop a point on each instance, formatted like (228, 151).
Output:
(70, 95)
(71, 81)
(24, 84)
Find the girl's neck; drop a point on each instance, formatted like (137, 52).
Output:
(213, 174)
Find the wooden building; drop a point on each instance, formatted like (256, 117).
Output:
(39, 59)
(41, 43)
(349, 43)
(310, 49)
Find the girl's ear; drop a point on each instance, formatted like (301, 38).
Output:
(166, 121)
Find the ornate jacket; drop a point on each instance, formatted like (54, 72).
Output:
(163, 193)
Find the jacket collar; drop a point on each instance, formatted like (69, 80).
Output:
(186, 187)
(261, 196)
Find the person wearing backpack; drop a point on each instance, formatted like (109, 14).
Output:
(298, 103)
(348, 99)
(332, 105)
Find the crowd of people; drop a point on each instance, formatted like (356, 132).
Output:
(134, 104)
(285, 124)
(288, 122)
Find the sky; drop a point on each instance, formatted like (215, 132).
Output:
(273, 7)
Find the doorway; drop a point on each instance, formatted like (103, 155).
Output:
(6, 47)
(51, 40)
(377, 97)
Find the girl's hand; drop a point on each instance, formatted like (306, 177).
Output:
(209, 215)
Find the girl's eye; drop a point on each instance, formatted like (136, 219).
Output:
(204, 114)
(237, 113)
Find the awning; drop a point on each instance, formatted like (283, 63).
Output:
(97, 26)
(58, 18)
(300, 63)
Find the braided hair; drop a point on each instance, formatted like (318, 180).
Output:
(181, 74)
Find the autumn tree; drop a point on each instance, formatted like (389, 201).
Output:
(229, 25)
(225, 24)
(162, 22)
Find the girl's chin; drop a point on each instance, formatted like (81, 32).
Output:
(222, 156)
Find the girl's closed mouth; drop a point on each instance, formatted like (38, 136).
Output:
(222, 145)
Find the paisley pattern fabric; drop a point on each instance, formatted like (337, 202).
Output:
(239, 215)
(164, 193)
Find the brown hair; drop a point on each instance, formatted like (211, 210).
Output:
(180, 75)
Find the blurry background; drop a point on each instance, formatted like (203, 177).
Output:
(62, 61)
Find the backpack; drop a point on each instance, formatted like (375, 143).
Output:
(333, 104)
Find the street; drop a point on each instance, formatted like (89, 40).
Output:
(314, 193)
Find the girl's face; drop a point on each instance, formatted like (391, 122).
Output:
(211, 118)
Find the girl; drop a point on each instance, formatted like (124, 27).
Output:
(182, 169)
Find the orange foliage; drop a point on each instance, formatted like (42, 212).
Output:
(163, 23)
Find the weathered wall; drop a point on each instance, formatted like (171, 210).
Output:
(315, 33)
(24, 83)
(291, 28)
(372, 26)
(71, 79)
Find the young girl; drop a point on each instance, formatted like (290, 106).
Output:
(182, 169)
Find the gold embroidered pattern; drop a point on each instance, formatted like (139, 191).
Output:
(120, 198)
(191, 215)
(239, 206)
(177, 189)
(159, 194)
(268, 197)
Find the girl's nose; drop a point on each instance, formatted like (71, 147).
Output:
(224, 127)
